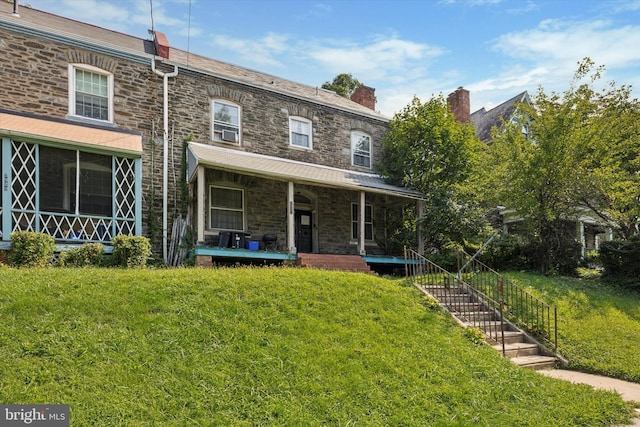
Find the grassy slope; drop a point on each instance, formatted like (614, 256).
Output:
(599, 325)
(261, 347)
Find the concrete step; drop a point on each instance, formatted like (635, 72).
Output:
(519, 349)
(477, 316)
(511, 337)
(535, 362)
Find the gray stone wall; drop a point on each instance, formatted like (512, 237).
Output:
(35, 79)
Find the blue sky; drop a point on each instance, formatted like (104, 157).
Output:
(403, 48)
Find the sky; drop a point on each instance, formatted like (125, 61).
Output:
(402, 48)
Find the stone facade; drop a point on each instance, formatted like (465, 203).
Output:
(35, 80)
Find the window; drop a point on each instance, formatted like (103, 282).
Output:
(226, 208)
(226, 122)
(368, 221)
(361, 149)
(63, 189)
(90, 93)
(300, 132)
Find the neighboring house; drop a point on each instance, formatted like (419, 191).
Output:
(589, 229)
(95, 126)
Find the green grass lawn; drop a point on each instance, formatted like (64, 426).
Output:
(272, 346)
(598, 326)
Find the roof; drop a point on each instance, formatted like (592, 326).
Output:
(31, 126)
(289, 170)
(73, 32)
(484, 120)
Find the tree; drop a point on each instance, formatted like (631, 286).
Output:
(580, 153)
(343, 84)
(427, 150)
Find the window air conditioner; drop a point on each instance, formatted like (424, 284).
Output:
(229, 135)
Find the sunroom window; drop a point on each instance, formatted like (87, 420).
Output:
(75, 182)
(226, 208)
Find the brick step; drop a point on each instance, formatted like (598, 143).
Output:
(353, 263)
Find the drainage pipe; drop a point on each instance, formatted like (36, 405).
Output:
(165, 158)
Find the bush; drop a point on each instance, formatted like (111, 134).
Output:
(89, 254)
(130, 251)
(621, 260)
(31, 249)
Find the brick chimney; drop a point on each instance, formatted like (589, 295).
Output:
(365, 95)
(460, 105)
(162, 44)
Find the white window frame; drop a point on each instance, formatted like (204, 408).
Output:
(355, 136)
(211, 207)
(238, 127)
(354, 221)
(72, 91)
(292, 121)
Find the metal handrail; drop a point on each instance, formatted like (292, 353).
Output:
(525, 310)
(469, 305)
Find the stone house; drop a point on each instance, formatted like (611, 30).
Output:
(587, 229)
(105, 133)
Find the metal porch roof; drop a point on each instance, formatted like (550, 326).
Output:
(290, 170)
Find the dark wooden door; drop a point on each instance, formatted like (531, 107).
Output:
(304, 228)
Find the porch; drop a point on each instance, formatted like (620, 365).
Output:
(308, 208)
(207, 256)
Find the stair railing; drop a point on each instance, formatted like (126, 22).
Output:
(523, 309)
(469, 305)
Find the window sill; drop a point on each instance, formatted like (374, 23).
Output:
(90, 121)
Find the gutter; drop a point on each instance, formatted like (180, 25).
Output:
(165, 153)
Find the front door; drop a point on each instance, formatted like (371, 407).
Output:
(304, 230)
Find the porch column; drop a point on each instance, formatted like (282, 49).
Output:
(291, 223)
(581, 239)
(608, 234)
(5, 200)
(201, 193)
(420, 209)
(361, 218)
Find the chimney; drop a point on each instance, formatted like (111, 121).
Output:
(460, 105)
(162, 44)
(365, 95)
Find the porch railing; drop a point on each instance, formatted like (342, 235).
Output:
(470, 305)
(522, 308)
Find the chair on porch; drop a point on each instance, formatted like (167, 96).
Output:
(270, 242)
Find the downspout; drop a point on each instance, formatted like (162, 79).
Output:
(165, 158)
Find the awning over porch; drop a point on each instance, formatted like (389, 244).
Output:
(289, 170)
(31, 126)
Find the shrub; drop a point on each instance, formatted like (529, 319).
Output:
(130, 251)
(31, 249)
(621, 260)
(89, 254)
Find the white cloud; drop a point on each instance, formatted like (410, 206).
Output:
(263, 51)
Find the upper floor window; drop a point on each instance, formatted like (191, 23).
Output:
(300, 132)
(226, 122)
(226, 208)
(361, 149)
(90, 92)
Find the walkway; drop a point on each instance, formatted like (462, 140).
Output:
(628, 390)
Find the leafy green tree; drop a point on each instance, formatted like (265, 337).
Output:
(343, 84)
(580, 153)
(428, 150)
